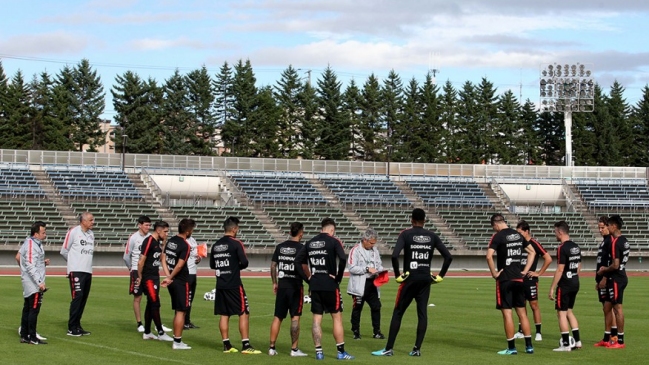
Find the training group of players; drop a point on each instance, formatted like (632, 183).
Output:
(321, 262)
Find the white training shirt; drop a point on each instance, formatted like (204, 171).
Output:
(78, 249)
(193, 254)
(133, 250)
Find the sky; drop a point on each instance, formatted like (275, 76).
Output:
(506, 41)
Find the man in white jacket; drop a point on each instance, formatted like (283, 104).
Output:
(78, 249)
(365, 264)
(32, 274)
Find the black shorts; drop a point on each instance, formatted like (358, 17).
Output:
(615, 290)
(132, 288)
(151, 288)
(326, 301)
(409, 290)
(289, 300)
(510, 294)
(531, 288)
(231, 302)
(181, 295)
(565, 298)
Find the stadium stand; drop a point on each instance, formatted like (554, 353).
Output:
(17, 215)
(542, 227)
(636, 227)
(274, 188)
(209, 224)
(449, 193)
(18, 181)
(607, 194)
(365, 190)
(473, 226)
(83, 184)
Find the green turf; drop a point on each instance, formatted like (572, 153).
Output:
(464, 328)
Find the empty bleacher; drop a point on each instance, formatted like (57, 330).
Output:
(209, 224)
(277, 188)
(19, 182)
(100, 184)
(449, 193)
(614, 194)
(635, 227)
(472, 226)
(365, 190)
(17, 217)
(542, 227)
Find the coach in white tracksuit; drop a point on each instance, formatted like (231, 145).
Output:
(364, 263)
(32, 275)
(78, 250)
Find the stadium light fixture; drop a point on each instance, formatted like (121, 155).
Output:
(567, 88)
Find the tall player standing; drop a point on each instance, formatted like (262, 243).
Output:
(604, 260)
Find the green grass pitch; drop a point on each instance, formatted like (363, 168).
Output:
(464, 328)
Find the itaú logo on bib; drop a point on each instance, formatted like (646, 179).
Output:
(421, 239)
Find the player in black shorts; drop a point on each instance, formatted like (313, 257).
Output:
(508, 246)
(316, 264)
(531, 281)
(604, 259)
(418, 245)
(619, 251)
(288, 289)
(148, 280)
(565, 286)
(228, 258)
(174, 264)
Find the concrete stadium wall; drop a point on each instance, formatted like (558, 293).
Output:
(188, 186)
(534, 194)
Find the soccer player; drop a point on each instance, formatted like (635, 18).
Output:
(77, 250)
(194, 259)
(565, 285)
(316, 264)
(228, 258)
(148, 279)
(288, 289)
(617, 280)
(531, 281)
(603, 260)
(418, 245)
(508, 246)
(32, 275)
(174, 264)
(364, 266)
(131, 258)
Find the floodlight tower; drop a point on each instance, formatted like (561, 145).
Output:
(568, 88)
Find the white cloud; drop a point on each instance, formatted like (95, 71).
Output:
(58, 42)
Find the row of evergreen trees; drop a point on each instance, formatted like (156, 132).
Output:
(373, 121)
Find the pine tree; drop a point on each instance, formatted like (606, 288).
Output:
(223, 100)
(3, 94)
(334, 133)
(507, 140)
(483, 125)
(640, 128)
(619, 112)
(391, 112)
(287, 93)
(178, 132)
(264, 125)
(407, 133)
(531, 141)
(16, 131)
(370, 120)
(433, 133)
(469, 147)
(352, 108)
(64, 103)
(308, 132)
(202, 125)
(449, 109)
(237, 131)
(88, 107)
(551, 138)
(48, 132)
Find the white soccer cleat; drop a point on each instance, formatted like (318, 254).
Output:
(538, 337)
(519, 335)
(149, 336)
(562, 349)
(577, 344)
(180, 346)
(165, 337)
(298, 353)
(272, 352)
(140, 328)
(38, 336)
(166, 329)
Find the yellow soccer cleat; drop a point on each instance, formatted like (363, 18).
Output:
(231, 350)
(403, 277)
(250, 351)
(436, 279)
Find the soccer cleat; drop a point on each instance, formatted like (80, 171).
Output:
(345, 356)
(180, 346)
(37, 342)
(357, 335)
(166, 329)
(613, 340)
(272, 352)
(577, 345)
(563, 349)
(75, 333)
(519, 335)
(616, 345)
(414, 352)
(230, 350)
(250, 351)
(538, 337)
(383, 352)
(379, 336)
(37, 335)
(298, 353)
(149, 336)
(24, 340)
(401, 278)
(84, 332)
(529, 349)
(140, 328)
(319, 355)
(165, 337)
(437, 279)
(508, 352)
(190, 326)
(601, 343)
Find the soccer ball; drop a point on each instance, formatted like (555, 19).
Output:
(571, 341)
(210, 295)
(307, 299)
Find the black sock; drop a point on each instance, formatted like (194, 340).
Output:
(520, 329)
(511, 344)
(227, 344)
(575, 334)
(294, 348)
(538, 327)
(139, 323)
(318, 349)
(565, 339)
(245, 343)
(271, 347)
(613, 331)
(607, 336)
(161, 332)
(528, 341)
(340, 347)
(620, 338)
(177, 339)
